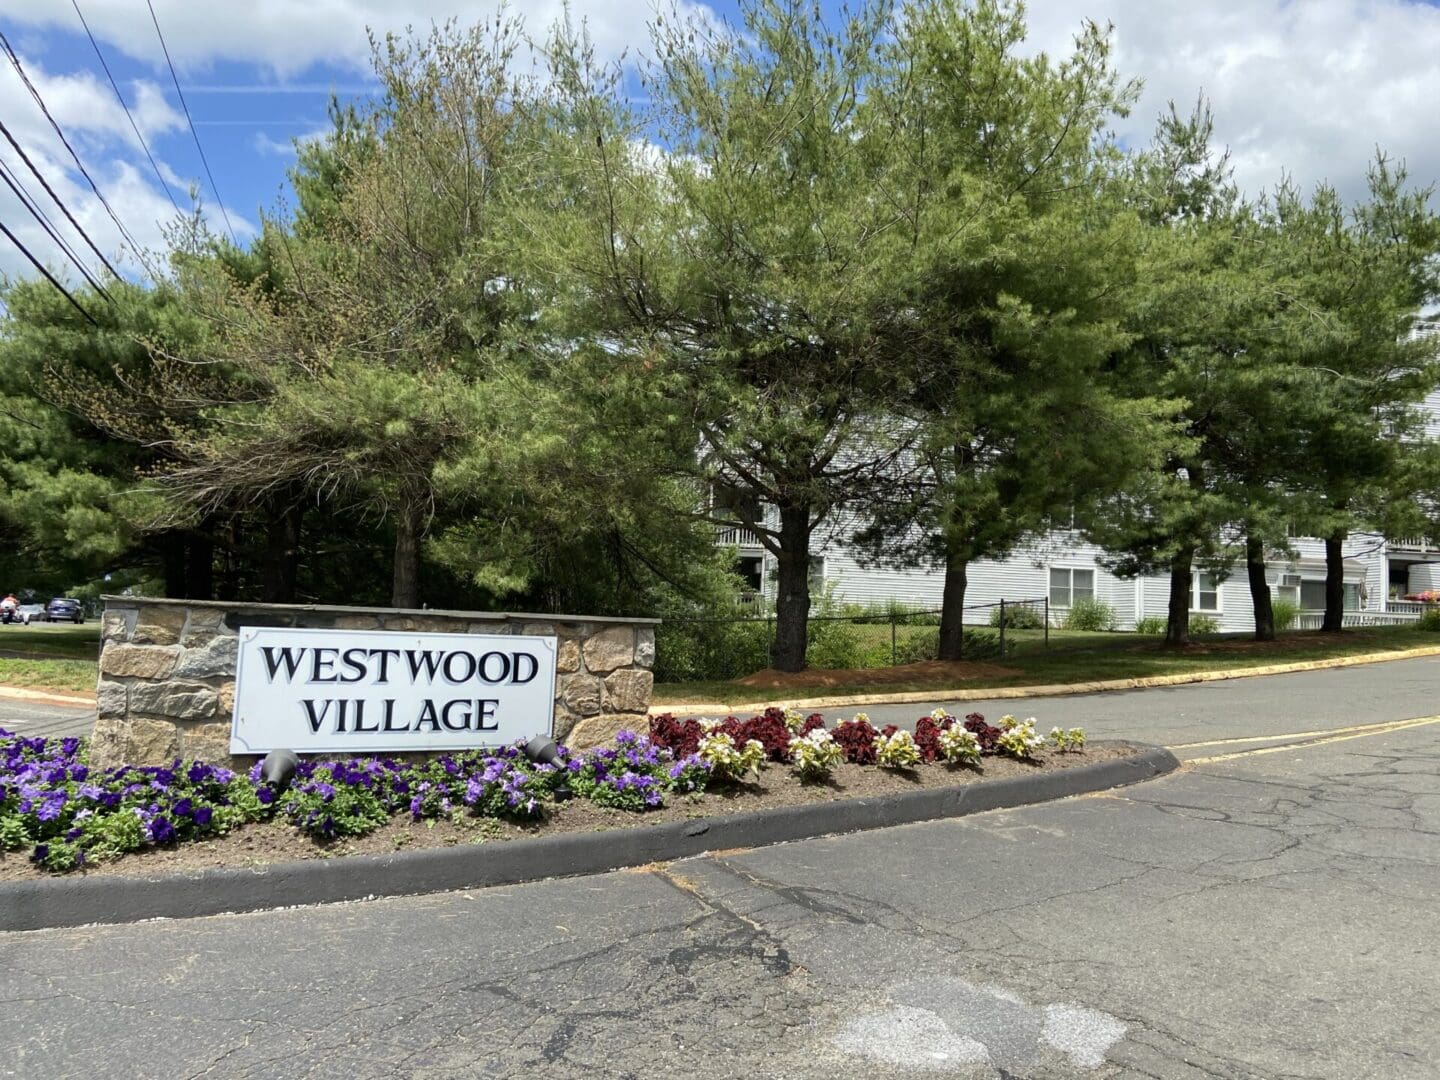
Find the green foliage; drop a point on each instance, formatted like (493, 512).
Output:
(1284, 612)
(1429, 618)
(1090, 614)
(1018, 617)
(1150, 624)
(1204, 624)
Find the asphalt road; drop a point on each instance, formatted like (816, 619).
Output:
(1266, 912)
(32, 718)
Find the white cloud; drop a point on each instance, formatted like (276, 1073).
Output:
(286, 37)
(265, 144)
(86, 110)
(1311, 88)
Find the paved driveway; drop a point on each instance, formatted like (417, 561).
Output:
(1266, 912)
(32, 718)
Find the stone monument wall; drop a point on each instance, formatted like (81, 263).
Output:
(167, 669)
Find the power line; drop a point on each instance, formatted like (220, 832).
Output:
(48, 276)
(20, 70)
(28, 201)
(128, 115)
(194, 134)
(56, 198)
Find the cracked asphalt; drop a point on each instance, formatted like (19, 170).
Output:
(1267, 911)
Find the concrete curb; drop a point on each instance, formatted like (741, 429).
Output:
(80, 901)
(47, 697)
(709, 708)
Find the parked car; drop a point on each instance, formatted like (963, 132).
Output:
(64, 609)
(28, 613)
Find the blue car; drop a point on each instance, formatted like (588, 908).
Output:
(63, 609)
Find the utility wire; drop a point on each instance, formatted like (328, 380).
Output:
(129, 116)
(28, 201)
(20, 70)
(58, 202)
(194, 134)
(48, 276)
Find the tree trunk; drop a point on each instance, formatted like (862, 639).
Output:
(1334, 583)
(1177, 625)
(200, 567)
(792, 600)
(172, 561)
(952, 607)
(405, 587)
(282, 556)
(1259, 588)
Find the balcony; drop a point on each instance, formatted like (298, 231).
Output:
(735, 535)
(1418, 545)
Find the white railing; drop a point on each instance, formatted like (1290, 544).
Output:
(1313, 620)
(736, 536)
(1407, 607)
(1412, 543)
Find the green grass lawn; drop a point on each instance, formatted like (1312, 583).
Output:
(1076, 656)
(53, 641)
(66, 676)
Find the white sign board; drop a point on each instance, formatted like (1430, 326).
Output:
(357, 691)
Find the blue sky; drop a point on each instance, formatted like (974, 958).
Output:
(1311, 86)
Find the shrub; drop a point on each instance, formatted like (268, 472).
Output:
(1090, 614)
(985, 734)
(1018, 738)
(815, 754)
(857, 739)
(1284, 612)
(1018, 617)
(959, 747)
(981, 643)
(1151, 624)
(1204, 624)
(1429, 619)
(1072, 741)
(836, 644)
(897, 750)
(728, 761)
(710, 648)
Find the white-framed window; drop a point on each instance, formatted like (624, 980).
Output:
(1288, 590)
(1204, 592)
(1312, 595)
(1068, 584)
(817, 575)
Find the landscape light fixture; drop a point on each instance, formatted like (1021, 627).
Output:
(543, 751)
(278, 768)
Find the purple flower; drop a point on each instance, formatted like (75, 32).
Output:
(182, 808)
(203, 816)
(265, 795)
(161, 831)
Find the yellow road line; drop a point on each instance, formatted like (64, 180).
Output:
(1292, 735)
(1379, 729)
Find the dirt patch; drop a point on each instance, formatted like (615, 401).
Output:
(926, 670)
(259, 844)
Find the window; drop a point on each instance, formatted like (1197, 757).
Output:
(1068, 585)
(817, 575)
(1206, 593)
(1288, 591)
(751, 570)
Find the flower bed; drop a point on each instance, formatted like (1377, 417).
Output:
(57, 814)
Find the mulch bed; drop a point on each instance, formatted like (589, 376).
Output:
(270, 842)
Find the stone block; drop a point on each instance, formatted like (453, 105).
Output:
(645, 647)
(567, 655)
(139, 661)
(489, 626)
(538, 629)
(151, 742)
(115, 625)
(203, 625)
(581, 694)
(110, 698)
(628, 691)
(225, 700)
(601, 730)
(180, 701)
(209, 743)
(213, 660)
(425, 624)
(565, 722)
(357, 622)
(158, 626)
(609, 649)
(107, 742)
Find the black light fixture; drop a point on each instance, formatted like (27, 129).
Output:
(278, 768)
(543, 751)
